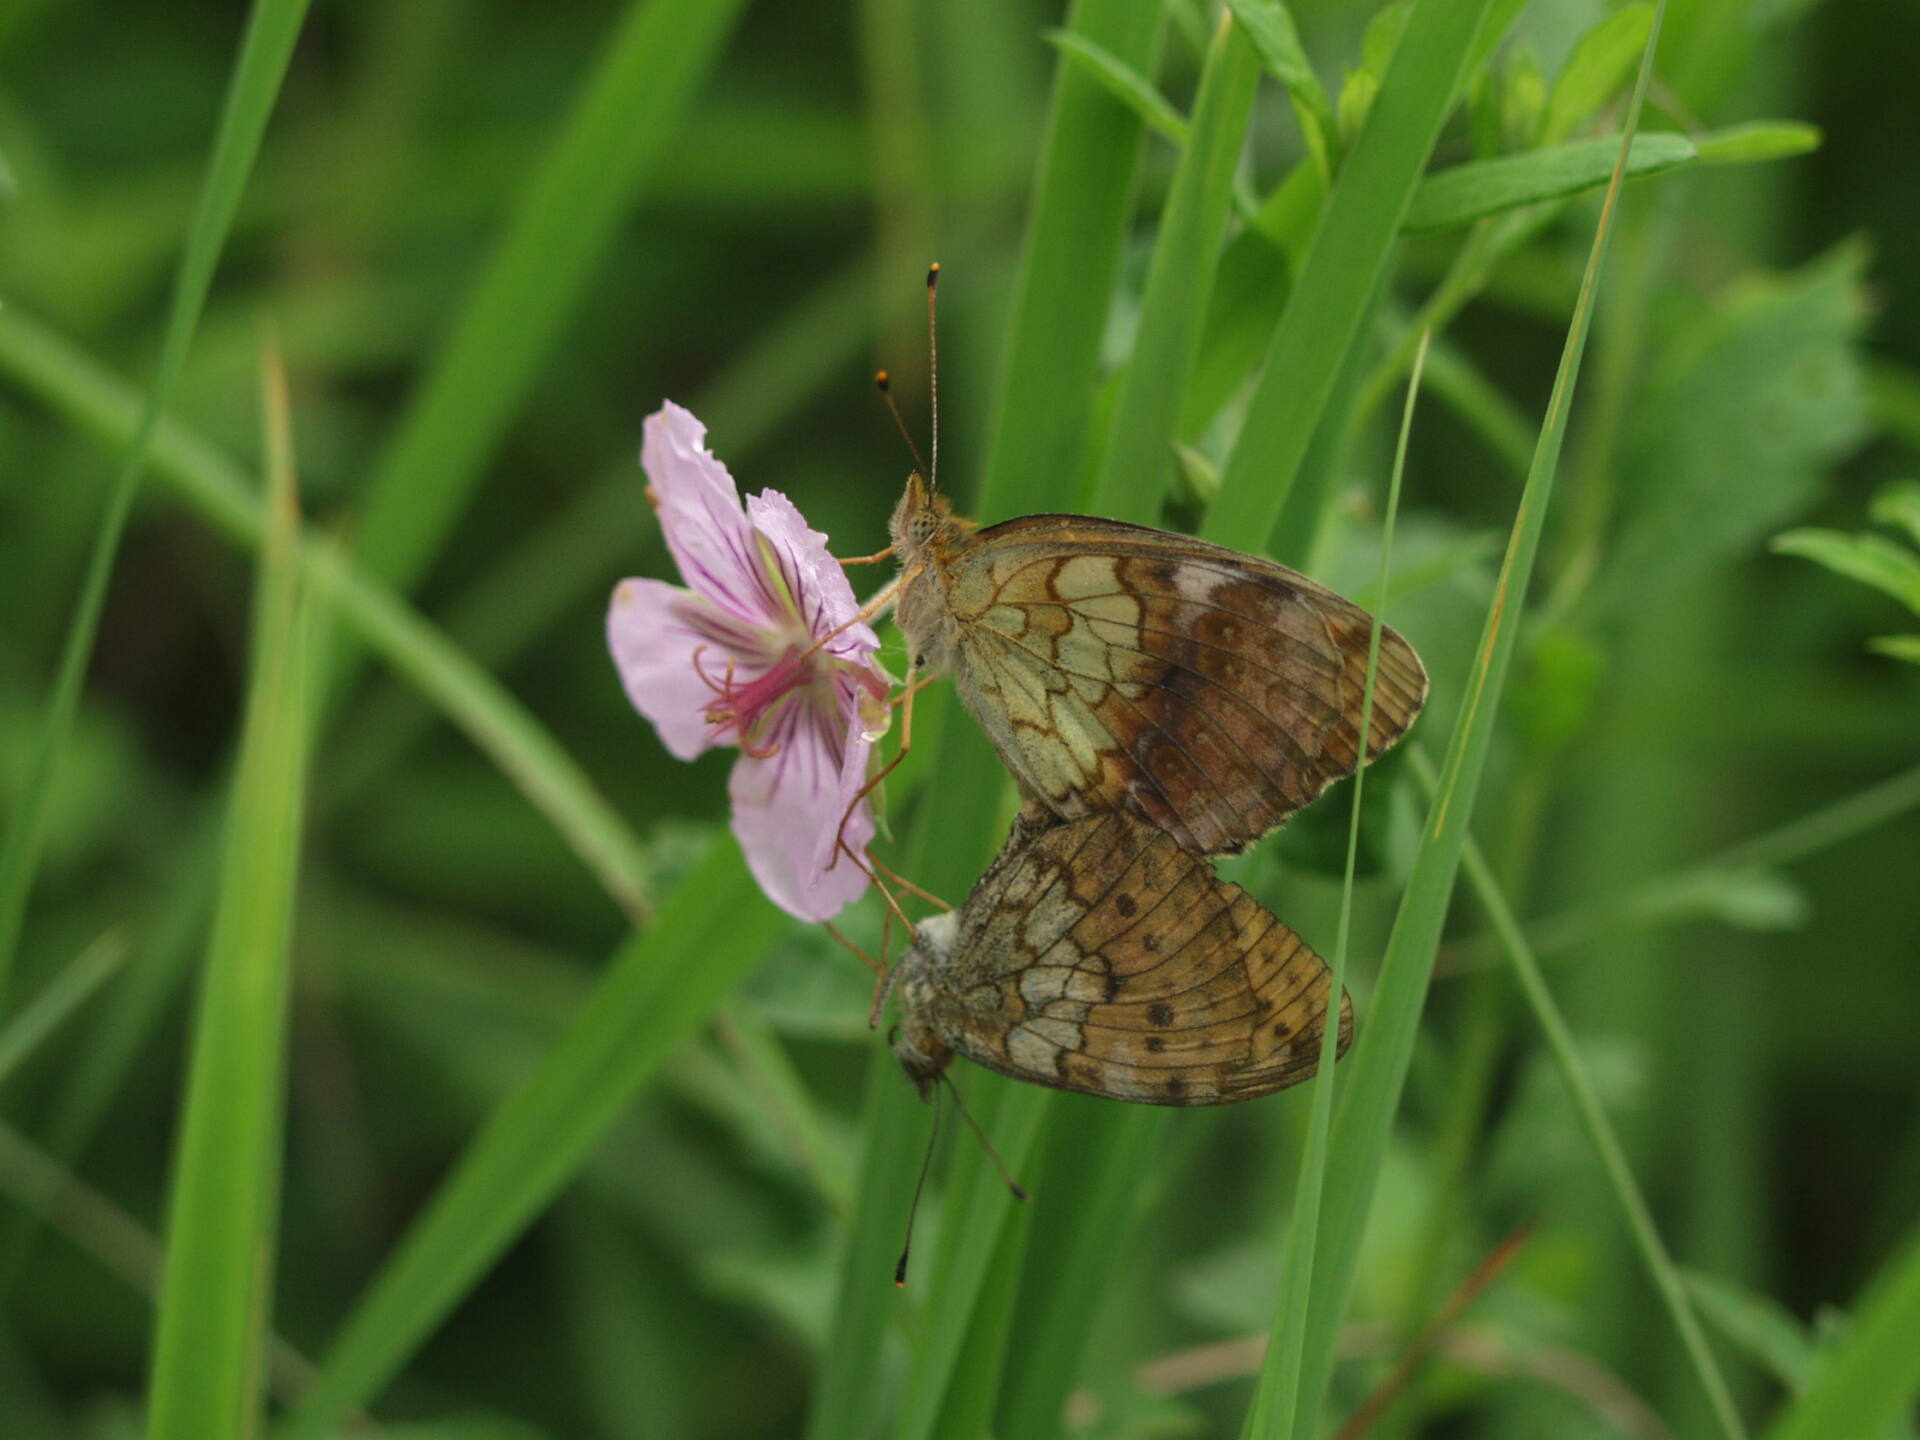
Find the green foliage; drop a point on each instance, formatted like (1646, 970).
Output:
(580, 1136)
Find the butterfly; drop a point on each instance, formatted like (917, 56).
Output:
(1121, 669)
(1098, 955)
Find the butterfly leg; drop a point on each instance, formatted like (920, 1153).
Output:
(906, 884)
(873, 782)
(873, 559)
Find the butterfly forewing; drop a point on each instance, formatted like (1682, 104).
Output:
(1098, 955)
(1119, 668)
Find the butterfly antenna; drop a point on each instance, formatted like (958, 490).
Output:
(884, 383)
(913, 1211)
(933, 373)
(985, 1144)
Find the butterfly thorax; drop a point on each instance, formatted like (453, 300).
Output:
(917, 1042)
(928, 537)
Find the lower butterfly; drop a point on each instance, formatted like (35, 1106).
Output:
(1098, 955)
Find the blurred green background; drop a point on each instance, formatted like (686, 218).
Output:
(473, 332)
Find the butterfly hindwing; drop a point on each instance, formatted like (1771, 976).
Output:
(1098, 955)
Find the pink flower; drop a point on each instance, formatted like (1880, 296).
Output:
(752, 653)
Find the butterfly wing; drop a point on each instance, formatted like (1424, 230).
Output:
(1098, 956)
(1209, 692)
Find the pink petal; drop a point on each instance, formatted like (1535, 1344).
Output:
(706, 529)
(787, 804)
(817, 581)
(653, 643)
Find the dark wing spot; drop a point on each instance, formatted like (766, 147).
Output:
(1176, 1085)
(1155, 1044)
(1150, 944)
(1112, 990)
(1123, 902)
(1280, 1030)
(1160, 1013)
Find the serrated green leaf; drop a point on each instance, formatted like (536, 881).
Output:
(1870, 559)
(1601, 64)
(1756, 141)
(1736, 432)
(1123, 82)
(1479, 188)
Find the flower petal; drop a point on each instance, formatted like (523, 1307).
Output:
(784, 803)
(816, 581)
(653, 632)
(700, 513)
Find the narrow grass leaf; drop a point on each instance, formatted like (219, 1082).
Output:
(1757, 1324)
(1276, 1408)
(74, 985)
(212, 484)
(1123, 82)
(206, 1381)
(268, 44)
(613, 141)
(1333, 293)
(657, 991)
(1479, 188)
(1381, 1055)
(1140, 447)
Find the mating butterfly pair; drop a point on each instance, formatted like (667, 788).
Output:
(1159, 700)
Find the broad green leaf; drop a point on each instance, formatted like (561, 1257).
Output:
(1480, 188)
(1870, 559)
(1123, 82)
(1600, 65)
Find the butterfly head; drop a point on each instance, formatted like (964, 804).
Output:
(916, 1042)
(921, 514)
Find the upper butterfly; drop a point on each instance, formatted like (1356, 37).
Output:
(1121, 668)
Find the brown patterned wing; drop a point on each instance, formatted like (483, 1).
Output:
(1209, 692)
(1099, 956)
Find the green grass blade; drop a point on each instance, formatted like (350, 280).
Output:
(207, 1358)
(1139, 449)
(614, 141)
(1075, 235)
(1333, 293)
(1872, 1376)
(1378, 1067)
(1276, 1403)
(264, 52)
(71, 988)
(658, 989)
(1665, 1275)
(78, 389)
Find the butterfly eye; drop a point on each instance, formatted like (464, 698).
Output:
(923, 526)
